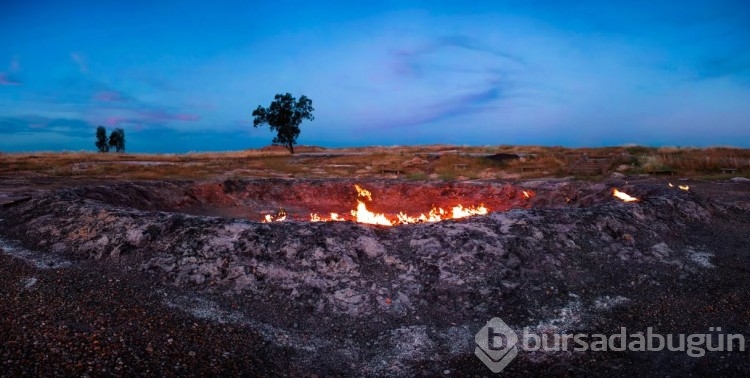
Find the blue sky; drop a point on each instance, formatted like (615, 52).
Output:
(186, 77)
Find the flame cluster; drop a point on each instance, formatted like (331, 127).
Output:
(623, 196)
(362, 215)
(279, 217)
(628, 198)
(682, 187)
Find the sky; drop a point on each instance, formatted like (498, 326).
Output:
(186, 76)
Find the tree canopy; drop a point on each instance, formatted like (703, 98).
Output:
(101, 139)
(117, 140)
(284, 117)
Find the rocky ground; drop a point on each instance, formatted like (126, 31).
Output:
(180, 278)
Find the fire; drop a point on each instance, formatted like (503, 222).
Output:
(280, 217)
(526, 194)
(461, 212)
(361, 192)
(623, 196)
(363, 215)
(334, 217)
(435, 215)
(681, 187)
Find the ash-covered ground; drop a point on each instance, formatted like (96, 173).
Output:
(182, 278)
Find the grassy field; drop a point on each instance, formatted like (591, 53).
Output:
(435, 162)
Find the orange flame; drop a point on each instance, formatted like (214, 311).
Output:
(280, 217)
(623, 196)
(526, 194)
(682, 187)
(334, 217)
(362, 215)
(436, 214)
(362, 192)
(461, 212)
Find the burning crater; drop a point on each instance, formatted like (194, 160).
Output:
(538, 253)
(233, 217)
(383, 203)
(376, 202)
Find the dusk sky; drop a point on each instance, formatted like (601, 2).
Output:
(186, 76)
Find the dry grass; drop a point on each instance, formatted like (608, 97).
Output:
(697, 161)
(412, 162)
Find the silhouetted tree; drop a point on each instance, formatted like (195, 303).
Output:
(117, 140)
(284, 116)
(101, 139)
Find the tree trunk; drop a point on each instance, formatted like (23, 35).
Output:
(290, 147)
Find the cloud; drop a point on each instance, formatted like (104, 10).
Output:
(114, 121)
(111, 96)
(86, 97)
(80, 61)
(474, 102)
(73, 127)
(438, 79)
(31, 124)
(149, 116)
(6, 80)
(156, 116)
(84, 91)
(408, 59)
(11, 125)
(187, 117)
(35, 133)
(465, 104)
(734, 65)
(468, 43)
